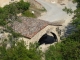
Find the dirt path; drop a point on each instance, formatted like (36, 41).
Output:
(54, 11)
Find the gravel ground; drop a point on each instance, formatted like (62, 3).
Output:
(55, 12)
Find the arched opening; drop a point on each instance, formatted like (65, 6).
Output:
(47, 39)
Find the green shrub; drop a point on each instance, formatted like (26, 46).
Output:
(68, 10)
(19, 52)
(2, 22)
(23, 6)
(54, 53)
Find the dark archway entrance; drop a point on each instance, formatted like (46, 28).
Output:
(47, 39)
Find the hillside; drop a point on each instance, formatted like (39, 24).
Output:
(14, 48)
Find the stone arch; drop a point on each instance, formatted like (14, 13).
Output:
(48, 39)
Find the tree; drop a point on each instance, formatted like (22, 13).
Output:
(54, 53)
(23, 6)
(19, 52)
(70, 50)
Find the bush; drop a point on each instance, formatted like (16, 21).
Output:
(2, 22)
(19, 52)
(8, 11)
(54, 53)
(68, 10)
(22, 6)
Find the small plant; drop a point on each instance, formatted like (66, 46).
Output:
(68, 10)
(43, 9)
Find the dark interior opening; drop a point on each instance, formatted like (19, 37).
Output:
(47, 39)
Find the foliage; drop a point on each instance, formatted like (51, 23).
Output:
(9, 12)
(22, 6)
(43, 9)
(70, 50)
(19, 52)
(71, 44)
(2, 22)
(66, 50)
(68, 10)
(53, 53)
(3, 13)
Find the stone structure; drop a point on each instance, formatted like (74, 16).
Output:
(28, 27)
(33, 29)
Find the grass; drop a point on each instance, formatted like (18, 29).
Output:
(28, 14)
(43, 9)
